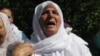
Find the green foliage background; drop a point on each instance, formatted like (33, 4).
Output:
(82, 15)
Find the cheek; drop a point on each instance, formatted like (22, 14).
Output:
(58, 20)
(43, 17)
(2, 33)
(11, 20)
(41, 22)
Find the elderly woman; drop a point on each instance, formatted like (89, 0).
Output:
(6, 35)
(50, 37)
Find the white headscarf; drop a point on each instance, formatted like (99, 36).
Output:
(38, 33)
(57, 45)
(9, 38)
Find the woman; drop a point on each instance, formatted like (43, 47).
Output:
(6, 35)
(50, 37)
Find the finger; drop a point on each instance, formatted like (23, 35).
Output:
(22, 45)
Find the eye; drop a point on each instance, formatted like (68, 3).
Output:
(55, 12)
(45, 12)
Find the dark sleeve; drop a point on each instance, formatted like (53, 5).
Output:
(95, 45)
(96, 41)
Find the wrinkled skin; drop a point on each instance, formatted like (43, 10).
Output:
(50, 20)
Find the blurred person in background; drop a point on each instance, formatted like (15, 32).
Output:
(19, 34)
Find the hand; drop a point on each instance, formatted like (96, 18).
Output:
(23, 49)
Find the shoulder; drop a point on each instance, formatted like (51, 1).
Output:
(80, 45)
(77, 39)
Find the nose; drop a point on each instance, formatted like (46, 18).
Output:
(50, 14)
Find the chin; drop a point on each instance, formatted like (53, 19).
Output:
(51, 30)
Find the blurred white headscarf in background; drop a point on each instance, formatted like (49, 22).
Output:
(9, 38)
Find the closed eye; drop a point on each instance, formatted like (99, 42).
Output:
(44, 12)
(55, 12)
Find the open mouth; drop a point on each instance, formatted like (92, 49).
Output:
(49, 24)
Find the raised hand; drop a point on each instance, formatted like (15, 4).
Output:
(23, 49)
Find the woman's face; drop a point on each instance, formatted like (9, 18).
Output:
(2, 32)
(50, 20)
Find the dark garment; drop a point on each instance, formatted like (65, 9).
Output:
(95, 45)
